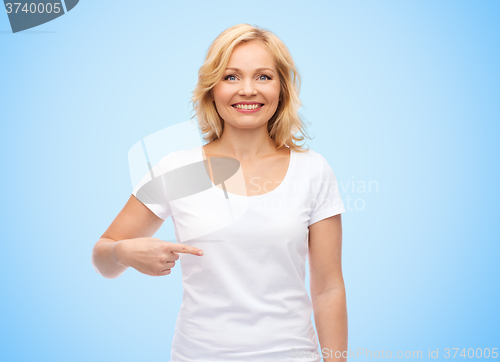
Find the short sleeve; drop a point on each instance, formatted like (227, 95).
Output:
(151, 190)
(327, 200)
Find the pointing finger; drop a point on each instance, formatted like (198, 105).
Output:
(179, 248)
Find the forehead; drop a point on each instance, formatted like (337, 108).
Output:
(251, 56)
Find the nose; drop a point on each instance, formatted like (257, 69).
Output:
(247, 88)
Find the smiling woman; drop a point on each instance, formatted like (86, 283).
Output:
(244, 297)
(246, 102)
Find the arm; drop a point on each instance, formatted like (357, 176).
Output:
(135, 220)
(328, 295)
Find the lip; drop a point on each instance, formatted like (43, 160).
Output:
(248, 110)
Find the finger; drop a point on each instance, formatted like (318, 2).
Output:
(186, 249)
(165, 272)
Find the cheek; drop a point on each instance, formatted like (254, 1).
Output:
(222, 96)
(276, 92)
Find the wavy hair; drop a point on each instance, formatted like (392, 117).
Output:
(286, 122)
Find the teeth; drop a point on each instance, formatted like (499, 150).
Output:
(245, 106)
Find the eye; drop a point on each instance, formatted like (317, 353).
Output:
(233, 75)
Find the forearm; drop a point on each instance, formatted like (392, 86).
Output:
(330, 316)
(105, 257)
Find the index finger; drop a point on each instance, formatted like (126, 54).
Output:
(186, 249)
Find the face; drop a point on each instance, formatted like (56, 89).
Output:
(244, 80)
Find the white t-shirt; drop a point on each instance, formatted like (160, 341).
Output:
(245, 299)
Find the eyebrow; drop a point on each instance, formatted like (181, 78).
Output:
(258, 70)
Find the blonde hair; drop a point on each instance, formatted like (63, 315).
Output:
(286, 121)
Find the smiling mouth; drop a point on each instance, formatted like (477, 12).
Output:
(247, 106)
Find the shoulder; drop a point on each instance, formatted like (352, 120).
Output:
(316, 168)
(311, 160)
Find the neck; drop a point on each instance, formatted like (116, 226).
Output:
(245, 144)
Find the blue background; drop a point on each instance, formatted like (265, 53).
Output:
(402, 94)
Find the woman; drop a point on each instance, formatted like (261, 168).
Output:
(245, 298)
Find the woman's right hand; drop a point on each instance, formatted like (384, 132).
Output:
(151, 256)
